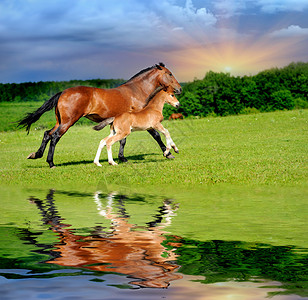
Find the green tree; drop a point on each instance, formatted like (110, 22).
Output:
(281, 100)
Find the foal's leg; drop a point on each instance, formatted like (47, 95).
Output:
(157, 138)
(169, 140)
(101, 145)
(109, 141)
(119, 136)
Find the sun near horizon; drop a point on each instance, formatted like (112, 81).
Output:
(247, 57)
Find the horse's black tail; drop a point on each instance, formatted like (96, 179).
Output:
(34, 116)
(103, 124)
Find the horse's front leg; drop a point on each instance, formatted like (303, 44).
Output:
(170, 142)
(157, 138)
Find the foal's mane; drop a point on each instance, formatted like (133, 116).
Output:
(152, 95)
(157, 66)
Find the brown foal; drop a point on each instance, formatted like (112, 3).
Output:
(149, 117)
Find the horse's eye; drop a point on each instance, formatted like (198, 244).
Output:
(170, 75)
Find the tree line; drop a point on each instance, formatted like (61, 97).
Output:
(43, 90)
(216, 94)
(222, 94)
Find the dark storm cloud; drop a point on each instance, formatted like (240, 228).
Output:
(61, 40)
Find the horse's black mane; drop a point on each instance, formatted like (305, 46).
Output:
(146, 70)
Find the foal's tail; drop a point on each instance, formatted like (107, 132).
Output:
(34, 116)
(103, 124)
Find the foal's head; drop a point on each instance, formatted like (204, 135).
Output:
(170, 98)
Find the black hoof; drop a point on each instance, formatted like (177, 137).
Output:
(52, 165)
(123, 159)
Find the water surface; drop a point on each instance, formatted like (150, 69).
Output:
(231, 243)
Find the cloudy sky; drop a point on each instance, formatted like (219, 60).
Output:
(44, 40)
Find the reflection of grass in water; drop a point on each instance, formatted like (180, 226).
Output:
(272, 215)
(221, 261)
(267, 148)
(217, 260)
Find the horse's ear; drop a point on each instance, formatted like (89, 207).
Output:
(160, 65)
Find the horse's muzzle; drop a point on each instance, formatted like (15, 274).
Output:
(178, 91)
(178, 105)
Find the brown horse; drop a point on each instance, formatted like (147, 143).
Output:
(148, 118)
(99, 104)
(176, 116)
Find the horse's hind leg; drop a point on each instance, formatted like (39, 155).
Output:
(46, 138)
(54, 139)
(121, 151)
(157, 138)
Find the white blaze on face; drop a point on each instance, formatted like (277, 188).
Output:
(172, 100)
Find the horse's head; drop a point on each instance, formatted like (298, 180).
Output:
(170, 98)
(166, 79)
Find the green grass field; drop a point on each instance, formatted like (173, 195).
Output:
(258, 149)
(10, 113)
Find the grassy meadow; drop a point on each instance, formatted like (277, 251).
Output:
(257, 149)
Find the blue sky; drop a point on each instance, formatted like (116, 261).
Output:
(77, 39)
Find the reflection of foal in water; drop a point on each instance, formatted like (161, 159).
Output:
(148, 118)
(125, 250)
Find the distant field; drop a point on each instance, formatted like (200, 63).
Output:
(260, 149)
(12, 112)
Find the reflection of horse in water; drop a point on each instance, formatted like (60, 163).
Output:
(126, 249)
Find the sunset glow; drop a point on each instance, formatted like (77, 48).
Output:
(247, 56)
